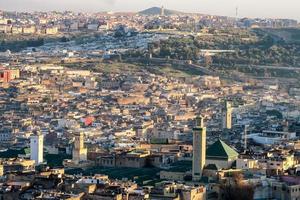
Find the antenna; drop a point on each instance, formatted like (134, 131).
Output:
(162, 11)
(236, 16)
(245, 138)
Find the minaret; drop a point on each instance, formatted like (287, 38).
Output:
(199, 148)
(226, 115)
(37, 148)
(79, 152)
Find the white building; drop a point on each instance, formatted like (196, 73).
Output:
(96, 179)
(93, 27)
(272, 137)
(36, 148)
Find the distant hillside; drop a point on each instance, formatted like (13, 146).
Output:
(157, 11)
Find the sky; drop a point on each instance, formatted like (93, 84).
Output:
(246, 8)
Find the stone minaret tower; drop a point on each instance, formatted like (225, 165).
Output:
(79, 152)
(226, 115)
(199, 148)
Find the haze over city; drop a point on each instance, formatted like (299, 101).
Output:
(247, 8)
(149, 99)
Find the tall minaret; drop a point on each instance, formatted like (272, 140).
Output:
(36, 148)
(226, 115)
(199, 148)
(79, 152)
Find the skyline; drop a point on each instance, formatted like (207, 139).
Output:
(247, 8)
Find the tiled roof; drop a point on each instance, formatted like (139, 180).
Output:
(221, 150)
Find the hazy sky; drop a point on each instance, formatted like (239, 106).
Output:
(247, 8)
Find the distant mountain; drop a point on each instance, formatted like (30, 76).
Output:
(157, 11)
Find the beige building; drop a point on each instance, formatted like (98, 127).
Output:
(277, 165)
(1, 170)
(209, 81)
(176, 191)
(51, 30)
(14, 73)
(133, 100)
(29, 30)
(132, 159)
(5, 28)
(284, 191)
(20, 165)
(16, 30)
(74, 73)
(242, 163)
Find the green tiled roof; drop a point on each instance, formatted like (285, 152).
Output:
(220, 150)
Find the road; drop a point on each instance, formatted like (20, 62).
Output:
(273, 67)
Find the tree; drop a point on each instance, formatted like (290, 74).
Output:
(207, 61)
(236, 189)
(275, 113)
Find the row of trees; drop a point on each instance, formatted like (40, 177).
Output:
(177, 48)
(264, 50)
(18, 45)
(287, 55)
(236, 189)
